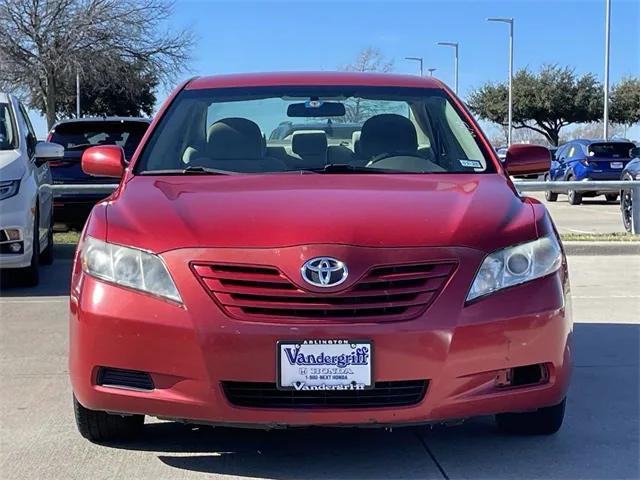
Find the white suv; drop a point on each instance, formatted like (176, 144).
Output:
(26, 210)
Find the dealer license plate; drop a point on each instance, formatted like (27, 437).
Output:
(324, 365)
(617, 164)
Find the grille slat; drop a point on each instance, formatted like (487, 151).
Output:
(383, 394)
(384, 293)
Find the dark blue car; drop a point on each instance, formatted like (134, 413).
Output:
(582, 159)
(76, 135)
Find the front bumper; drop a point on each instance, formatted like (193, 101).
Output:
(190, 350)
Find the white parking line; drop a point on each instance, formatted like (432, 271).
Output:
(605, 296)
(34, 300)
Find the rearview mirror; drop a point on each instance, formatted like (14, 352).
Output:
(316, 108)
(104, 161)
(47, 151)
(527, 159)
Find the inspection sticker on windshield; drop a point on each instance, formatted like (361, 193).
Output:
(324, 365)
(470, 163)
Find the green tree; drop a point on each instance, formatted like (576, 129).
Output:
(125, 89)
(544, 102)
(625, 102)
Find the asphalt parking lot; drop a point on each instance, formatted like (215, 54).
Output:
(599, 438)
(594, 215)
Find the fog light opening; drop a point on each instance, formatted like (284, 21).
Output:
(521, 376)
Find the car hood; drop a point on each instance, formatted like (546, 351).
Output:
(11, 168)
(276, 210)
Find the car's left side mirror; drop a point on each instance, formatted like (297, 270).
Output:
(48, 151)
(524, 159)
(103, 161)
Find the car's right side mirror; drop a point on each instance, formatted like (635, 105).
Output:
(104, 161)
(523, 159)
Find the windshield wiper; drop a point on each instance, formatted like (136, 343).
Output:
(348, 168)
(190, 170)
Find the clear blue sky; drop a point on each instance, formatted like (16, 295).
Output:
(243, 36)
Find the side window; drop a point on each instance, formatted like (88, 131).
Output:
(571, 152)
(30, 138)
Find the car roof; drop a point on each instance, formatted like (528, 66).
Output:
(101, 119)
(275, 79)
(587, 141)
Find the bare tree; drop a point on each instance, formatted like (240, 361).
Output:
(45, 40)
(371, 60)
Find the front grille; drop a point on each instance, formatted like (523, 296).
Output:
(384, 293)
(116, 377)
(384, 394)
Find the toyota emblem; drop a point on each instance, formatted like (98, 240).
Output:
(324, 272)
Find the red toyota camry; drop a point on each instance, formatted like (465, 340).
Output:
(305, 249)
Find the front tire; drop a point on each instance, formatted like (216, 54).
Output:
(97, 426)
(544, 421)
(611, 197)
(46, 257)
(626, 208)
(575, 198)
(548, 194)
(30, 276)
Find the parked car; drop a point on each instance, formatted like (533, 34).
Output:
(76, 135)
(581, 159)
(630, 172)
(26, 210)
(413, 284)
(502, 153)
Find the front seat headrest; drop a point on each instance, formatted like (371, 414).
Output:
(309, 143)
(387, 133)
(234, 138)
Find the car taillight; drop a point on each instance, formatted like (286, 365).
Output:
(585, 162)
(56, 164)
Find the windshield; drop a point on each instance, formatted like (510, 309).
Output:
(7, 135)
(84, 134)
(277, 129)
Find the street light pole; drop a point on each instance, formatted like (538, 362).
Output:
(607, 41)
(455, 45)
(416, 59)
(77, 92)
(510, 120)
(431, 70)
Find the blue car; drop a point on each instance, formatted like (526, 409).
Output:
(582, 159)
(76, 135)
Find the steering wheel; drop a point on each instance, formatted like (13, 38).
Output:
(386, 155)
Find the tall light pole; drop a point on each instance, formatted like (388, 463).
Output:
(416, 59)
(455, 66)
(607, 41)
(431, 70)
(510, 121)
(77, 92)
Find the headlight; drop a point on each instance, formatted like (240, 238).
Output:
(129, 267)
(9, 188)
(515, 265)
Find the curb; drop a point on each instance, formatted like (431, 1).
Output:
(601, 248)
